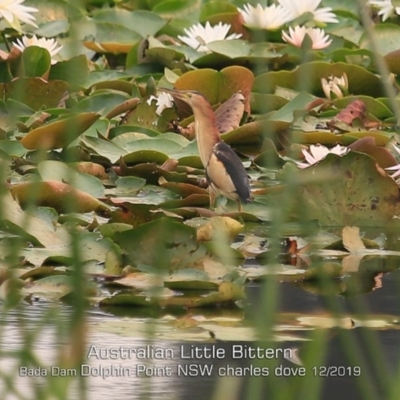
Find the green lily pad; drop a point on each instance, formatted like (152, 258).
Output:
(57, 171)
(336, 192)
(104, 148)
(58, 133)
(35, 62)
(102, 102)
(144, 156)
(387, 37)
(308, 77)
(145, 23)
(163, 244)
(35, 92)
(38, 230)
(264, 103)
(75, 71)
(254, 132)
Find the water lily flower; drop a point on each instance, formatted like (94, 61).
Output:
(335, 87)
(318, 153)
(14, 13)
(49, 44)
(198, 36)
(270, 18)
(164, 100)
(396, 167)
(386, 9)
(297, 8)
(297, 34)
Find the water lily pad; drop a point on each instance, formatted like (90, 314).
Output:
(57, 171)
(104, 148)
(264, 103)
(52, 287)
(190, 278)
(374, 106)
(62, 197)
(38, 230)
(308, 77)
(254, 132)
(58, 133)
(228, 293)
(143, 22)
(102, 102)
(387, 37)
(91, 247)
(337, 193)
(220, 85)
(35, 92)
(75, 71)
(163, 244)
(34, 62)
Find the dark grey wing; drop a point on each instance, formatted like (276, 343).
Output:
(235, 169)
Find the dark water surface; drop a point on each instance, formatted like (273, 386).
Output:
(379, 349)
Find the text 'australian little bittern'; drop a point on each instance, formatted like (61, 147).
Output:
(225, 172)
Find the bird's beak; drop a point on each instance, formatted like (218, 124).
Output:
(175, 93)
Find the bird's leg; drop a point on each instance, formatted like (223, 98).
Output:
(212, 197)
(239, 205)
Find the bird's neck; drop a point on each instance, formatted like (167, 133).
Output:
(207, 134)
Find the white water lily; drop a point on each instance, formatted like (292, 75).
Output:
(164, 100)
(198, 36)
(335, 87)
(297, 8)
(318, 153)
(14, 13)
(270, 18)
(49, 44)
(386, 9)
(396, 167)
(296, 35)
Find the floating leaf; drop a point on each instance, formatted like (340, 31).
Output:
(74, 71)
(59, 133)
(335, 192)
(220, 85)
(308, 77)
(37, 229)
(35, 62)
(103, 102)
(143, 22)
(57, 171)
(368, 146)
(228, 293)
(223, 229)
(35, 92)
(62, 197)
(164, 244)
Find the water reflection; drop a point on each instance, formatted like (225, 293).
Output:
(137, 377)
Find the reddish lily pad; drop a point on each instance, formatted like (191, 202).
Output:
(220, 85)
(62, 197)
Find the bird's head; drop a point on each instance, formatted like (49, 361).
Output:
(190, 97)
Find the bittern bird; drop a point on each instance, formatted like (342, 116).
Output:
(225, 172)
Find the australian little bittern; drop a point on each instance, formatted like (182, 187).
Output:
(225, 173)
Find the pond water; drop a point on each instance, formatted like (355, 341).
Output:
(181, 359)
